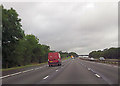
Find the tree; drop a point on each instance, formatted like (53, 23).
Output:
(44, 53)
(11, 34)
(30, 51)
(25, 50)
(111, 53)
(73, 54)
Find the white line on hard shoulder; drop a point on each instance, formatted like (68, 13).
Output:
(4, 76)
(46, 77)
(18, 73)
(10, 75)
(15, 74)
(56, 70)
(26, 71)
(97, 75)
(115, 66)
(89, 69)
(37, 68)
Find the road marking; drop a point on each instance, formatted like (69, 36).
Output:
(115, 66)
(31, 69)
(88, 68)
(15, 74)
(37, 68)
(97, 75)
(92, 70)
(40, 67)
(10, 75)
(46, 77)
(19, 73)
(4, 76)
(56, 70)
(26, 71)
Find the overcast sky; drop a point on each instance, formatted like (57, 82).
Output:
(70, 26)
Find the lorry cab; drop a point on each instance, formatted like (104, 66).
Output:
(54, 58)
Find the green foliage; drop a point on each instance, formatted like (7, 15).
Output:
(73, 54)
(18, 49)
(11, 33)
(66, 54)
(111, 53)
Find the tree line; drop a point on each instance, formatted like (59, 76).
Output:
(109, 53)
(18, 48)
(66, 54)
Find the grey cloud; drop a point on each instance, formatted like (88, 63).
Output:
(69, 26)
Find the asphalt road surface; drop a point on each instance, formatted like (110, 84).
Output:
(72, 71)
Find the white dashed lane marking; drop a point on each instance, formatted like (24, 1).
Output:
(97, 75)
(46, 77)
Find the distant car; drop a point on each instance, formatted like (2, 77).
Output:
(101, 58)
(54, 58)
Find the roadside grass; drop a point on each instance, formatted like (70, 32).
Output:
(30, 65)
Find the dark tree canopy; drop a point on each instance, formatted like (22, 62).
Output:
(17, 48)
(111, 53)
(11, 33)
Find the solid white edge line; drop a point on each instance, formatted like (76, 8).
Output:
(89, 69)
(19, 73)
(27, 70)
(56, 70)
(97, 75)
(4, 76)
(37, 68)
(10, 75)
(15, 74)
(46, 77)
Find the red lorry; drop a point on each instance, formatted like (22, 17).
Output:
(54, 58)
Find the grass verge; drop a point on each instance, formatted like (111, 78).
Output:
(30, 65)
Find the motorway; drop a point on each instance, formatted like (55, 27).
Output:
(72, 71)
